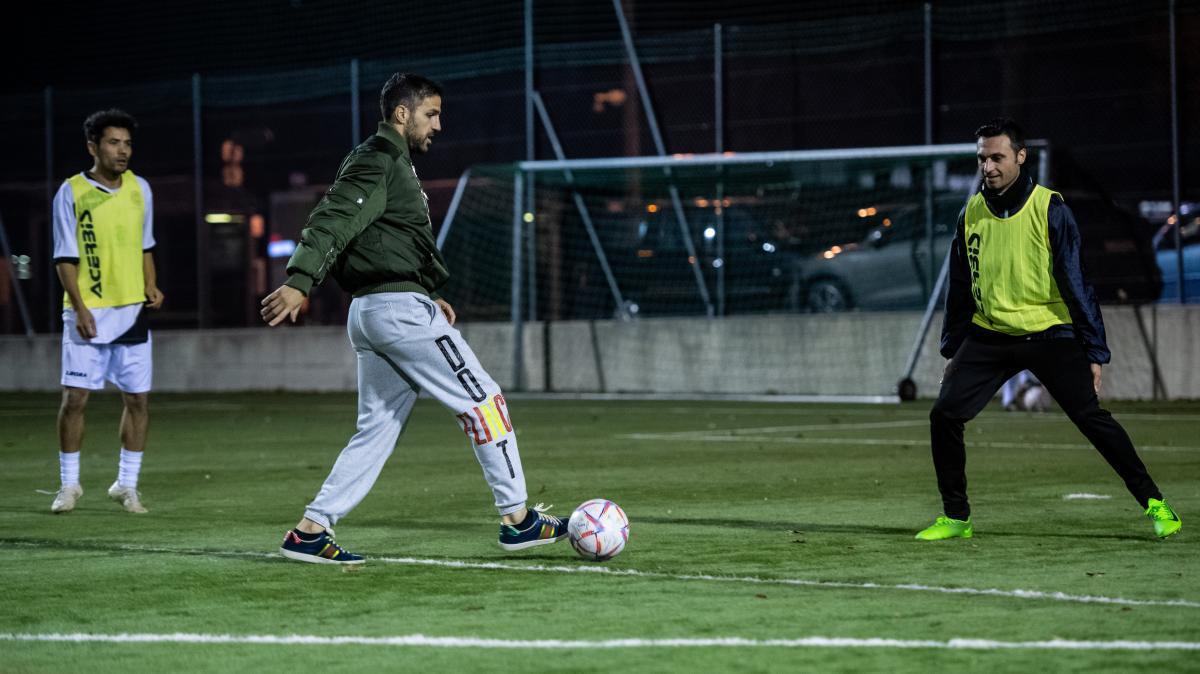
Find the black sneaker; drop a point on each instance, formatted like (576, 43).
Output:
(320, 551)
(539, 529)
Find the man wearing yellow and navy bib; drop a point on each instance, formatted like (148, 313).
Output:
(103, 242)
(1017, 300)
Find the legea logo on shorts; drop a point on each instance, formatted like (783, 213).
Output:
(73, 373)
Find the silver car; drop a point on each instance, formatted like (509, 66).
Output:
(892, 267)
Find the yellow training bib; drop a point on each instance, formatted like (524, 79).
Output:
(1012, 267)
(108, 228)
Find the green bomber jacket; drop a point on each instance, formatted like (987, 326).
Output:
(371, 231)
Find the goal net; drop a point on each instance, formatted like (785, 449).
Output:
(798, 273)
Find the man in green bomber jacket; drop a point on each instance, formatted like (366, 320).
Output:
(371, 232)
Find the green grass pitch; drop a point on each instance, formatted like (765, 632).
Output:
(757, 522)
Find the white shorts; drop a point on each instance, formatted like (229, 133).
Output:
(127, 366)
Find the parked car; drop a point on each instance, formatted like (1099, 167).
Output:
(749, 271)
(1167, 257)
(889, 268)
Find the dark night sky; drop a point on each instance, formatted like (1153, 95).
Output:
(157, 40)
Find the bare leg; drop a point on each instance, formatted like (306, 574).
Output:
(135, 421)
(70, 419)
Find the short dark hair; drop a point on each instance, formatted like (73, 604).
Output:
(97, 122)
(1003, 126)
(405, 89)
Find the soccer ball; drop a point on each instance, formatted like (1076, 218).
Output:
(1036, 399)
(598, 529)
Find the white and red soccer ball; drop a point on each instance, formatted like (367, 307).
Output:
(598, 529)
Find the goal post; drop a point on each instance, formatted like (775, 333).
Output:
(649, 274)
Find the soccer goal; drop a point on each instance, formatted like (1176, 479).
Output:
(801, 273)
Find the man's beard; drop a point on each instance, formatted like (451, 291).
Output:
(414, 145)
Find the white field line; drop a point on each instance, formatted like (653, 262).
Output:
(707, 436)
(796, 582)
(849, 426)
(421, 640)
(1084, 496)
(994, 415)
(659, 575)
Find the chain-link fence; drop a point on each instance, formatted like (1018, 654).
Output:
(238, 156)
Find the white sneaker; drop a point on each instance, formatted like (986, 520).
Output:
(128, 497)
(64, 500)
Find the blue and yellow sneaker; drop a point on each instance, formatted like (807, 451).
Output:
(1166, 521)
(537, 529)
(316, 549)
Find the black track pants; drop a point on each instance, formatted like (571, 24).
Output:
(975, 374)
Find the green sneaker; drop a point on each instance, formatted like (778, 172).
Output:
(945, 527)
(1166, 522)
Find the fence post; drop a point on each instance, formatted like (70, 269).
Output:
(517, 318)
(202, 280)
(355, 105)
(1175, 197)
(53, 299)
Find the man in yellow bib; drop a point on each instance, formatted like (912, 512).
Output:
(1017, 300)
(103, 242)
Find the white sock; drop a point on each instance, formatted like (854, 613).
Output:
(131, 465)
(68, 468)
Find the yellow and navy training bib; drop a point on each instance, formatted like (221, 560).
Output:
(108, 227)
(1012, 267)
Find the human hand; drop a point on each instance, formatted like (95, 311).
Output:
(285, 302)
(154, 297)
(85, 323)
(447, 310)
(1096, 368)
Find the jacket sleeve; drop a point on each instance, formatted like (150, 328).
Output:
(1075, 291)
(960, 303)
(356, 199)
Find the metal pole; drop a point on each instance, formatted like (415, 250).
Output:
(530, 154)
(448, 222)
(643, 92)
(754, 158)
(584, 214)
(928, 73)
(652, 121)
(718, 91)
(517, 319)
(927, 317)
(355, 105)
(719, 147)
(929, 140)
(202, 280)
(53, 299)
(907, 388)
(1175, 199)
(529, 119)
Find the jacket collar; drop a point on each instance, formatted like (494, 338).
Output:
(1013, 199)
(389, 133)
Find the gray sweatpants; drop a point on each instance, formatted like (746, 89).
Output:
(405, 345)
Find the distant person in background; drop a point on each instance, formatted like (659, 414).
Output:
(103, 243)
(1018, 300)
(371, 233)
(1024, 393)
